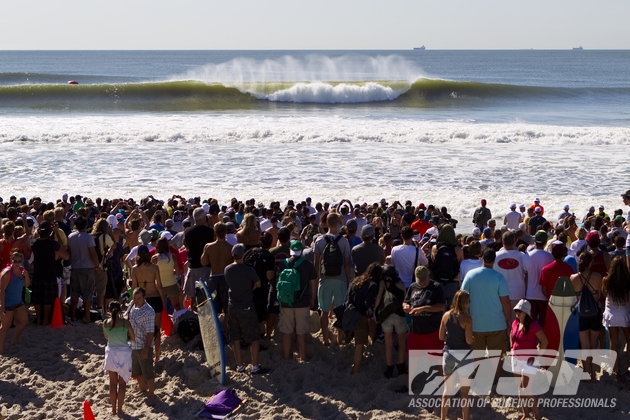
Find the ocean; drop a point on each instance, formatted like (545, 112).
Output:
(440, 127)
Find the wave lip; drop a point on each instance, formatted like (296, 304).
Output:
(319, 92)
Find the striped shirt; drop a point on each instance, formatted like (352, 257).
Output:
(143, 322)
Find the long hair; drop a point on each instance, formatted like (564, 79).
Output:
(586, 258)
(249, 224)
(526, 323)
(143, 259)
(114, 309)
(460, 304)
(617, 283)
(373, 273)
(161, 247)
(101, 226)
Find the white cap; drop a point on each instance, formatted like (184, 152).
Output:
(566, 207)
(513, 206)
(166, 234)
(536, 200)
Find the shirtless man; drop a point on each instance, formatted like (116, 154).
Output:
(133, 227)
(218, 255)
(147, 275)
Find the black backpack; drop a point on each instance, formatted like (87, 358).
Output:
(587, 305)
(445, 264)
(188, 329)
(389, 305)
(332, 258)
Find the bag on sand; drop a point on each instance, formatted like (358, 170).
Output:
(187, 326)
(222, 405)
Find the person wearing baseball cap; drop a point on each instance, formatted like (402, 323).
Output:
(536, 221)
(296, 315)
(537, 204)
(565, 213)
(482, 215)
(601, 211)
(513, 218)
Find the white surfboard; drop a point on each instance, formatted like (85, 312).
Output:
(211, 333)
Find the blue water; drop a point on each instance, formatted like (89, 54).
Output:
(577, 88)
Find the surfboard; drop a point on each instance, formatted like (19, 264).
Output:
(211, 333)
(561, 325)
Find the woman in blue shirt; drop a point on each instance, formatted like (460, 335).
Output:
(13, 280)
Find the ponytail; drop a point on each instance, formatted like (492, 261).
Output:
(114, 310)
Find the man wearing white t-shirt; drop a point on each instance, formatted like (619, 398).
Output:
(404, 257)
(513, 218)
(513, 265)
(538, 258)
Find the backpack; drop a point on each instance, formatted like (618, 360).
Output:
(389, 304)
(310, 234)
(479, 213)
(351, 318)
(587, 306)
(188, 328)
(289, 283)
(332, 258)
(445, 264)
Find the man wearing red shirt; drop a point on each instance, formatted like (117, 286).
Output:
(558, 268)
(537, 204)
(420, 225)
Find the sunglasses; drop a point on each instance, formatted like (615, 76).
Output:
(16, 261)
(517, 311)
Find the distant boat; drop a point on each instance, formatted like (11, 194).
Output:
(578, 48)
(419, 48)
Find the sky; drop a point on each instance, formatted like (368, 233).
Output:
(325, 24)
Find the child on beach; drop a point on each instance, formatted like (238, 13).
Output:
(526, 333)
(13, 280)
(118, 332)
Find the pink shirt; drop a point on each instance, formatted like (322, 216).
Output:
(521, 341)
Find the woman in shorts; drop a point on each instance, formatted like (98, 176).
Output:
(169, 270)
(147, 275)
(456, 332)
(616, 317)
(589, 327)
(118, 332)
(390, 281)
(13, 280)
(524, 339)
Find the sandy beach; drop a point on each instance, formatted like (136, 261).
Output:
(51, 372)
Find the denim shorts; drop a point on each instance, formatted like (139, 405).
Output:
(451, 362)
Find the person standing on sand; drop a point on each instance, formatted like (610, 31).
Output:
(195, 239)
(84, 264)
(296, 316)
(118, 362)
(217, 255)
(142, 320)
(332, 264)
(242, 280)
(13, 280)
(145, 274)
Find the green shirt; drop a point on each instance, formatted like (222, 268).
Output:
(117, 336)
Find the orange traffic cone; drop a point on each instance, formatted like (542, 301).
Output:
(167, 324)
(87, 411)
(57, 319)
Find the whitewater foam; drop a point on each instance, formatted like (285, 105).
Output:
(320, 92)
(452, 163)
